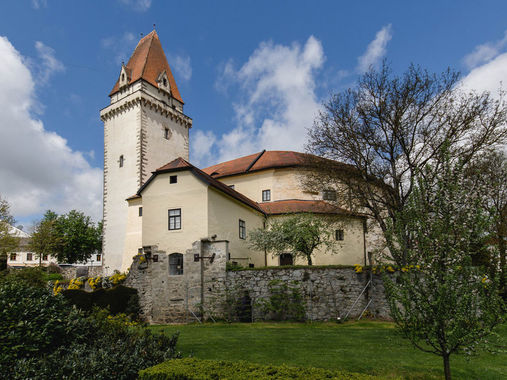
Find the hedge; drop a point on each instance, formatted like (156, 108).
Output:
(197, 369)
(119, 299)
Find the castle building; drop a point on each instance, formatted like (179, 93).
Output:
(153, 195)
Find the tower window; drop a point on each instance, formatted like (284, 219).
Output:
(242, 229)
(338, 234)
(121, 161)
(123, 77)
(173, 179)
(140, 211)
(175, 219)
(165, 82)
(167, 134)
(266, 195)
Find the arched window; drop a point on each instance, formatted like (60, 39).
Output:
(175, 264)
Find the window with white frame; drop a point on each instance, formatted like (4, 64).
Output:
(175, 219)
(329, 195)
(338, 235)
(266, 195)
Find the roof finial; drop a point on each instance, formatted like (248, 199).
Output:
(153, 26)
(141, 34)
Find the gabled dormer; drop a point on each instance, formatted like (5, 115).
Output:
(124, 78)
(163, 82)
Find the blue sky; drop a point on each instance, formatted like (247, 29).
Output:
(252, 75)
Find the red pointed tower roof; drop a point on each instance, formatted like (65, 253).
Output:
(147, 62)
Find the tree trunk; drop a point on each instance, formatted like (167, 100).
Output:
(447, 367)
(309, 257)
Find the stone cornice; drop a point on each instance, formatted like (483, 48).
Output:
(141, 98)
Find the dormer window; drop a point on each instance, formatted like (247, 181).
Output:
(123, 77)
(165, 82)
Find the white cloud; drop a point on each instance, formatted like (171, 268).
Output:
(181, 65)
(49, 64)
(38, 170)
(488, 77)
(376, 49)
(137, 5)
(120, 46)
(37, 4)
(201, 143)
(485, 52)
(276, 101)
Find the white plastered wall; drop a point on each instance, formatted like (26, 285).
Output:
(133, 239)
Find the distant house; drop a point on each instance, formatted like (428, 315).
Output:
(23, 257)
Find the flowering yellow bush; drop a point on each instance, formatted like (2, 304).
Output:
(57, 288)
(95, 282)
(404, 269)
(358, 268)
(75, 283)
(122, 319)
(390, 269)
(142, 259)
(117, 278)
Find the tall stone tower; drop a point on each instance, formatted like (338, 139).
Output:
(144, 128)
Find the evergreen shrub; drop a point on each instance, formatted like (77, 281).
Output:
(197, 369)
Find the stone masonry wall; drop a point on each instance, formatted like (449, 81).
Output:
(69, 272)
(328, 293)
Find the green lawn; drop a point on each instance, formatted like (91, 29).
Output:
(366, 347)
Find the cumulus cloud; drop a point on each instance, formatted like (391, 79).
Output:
(376, 49)
(38, 170)
(490, 76)
(137, 5)
(49, 64)
(181, 65)
(276, 101)
(120, 46)
(485, 52)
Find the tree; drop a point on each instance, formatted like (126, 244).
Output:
(443, 304)
(300, 234)
(388, 128)
(46, 239)
(487, 178)
(8, 242)
(70, 237)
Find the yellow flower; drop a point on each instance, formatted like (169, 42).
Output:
(358, 268)
(390, 269)
(404, 269)
(484, 279)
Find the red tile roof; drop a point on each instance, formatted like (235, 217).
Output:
(258, 161)
(147, 62)
(181, 164)
(292, 206)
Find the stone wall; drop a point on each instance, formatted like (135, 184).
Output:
(69, 272)
(326, 293)
(166, 298)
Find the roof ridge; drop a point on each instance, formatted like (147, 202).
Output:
(147, 54)
(255, 160)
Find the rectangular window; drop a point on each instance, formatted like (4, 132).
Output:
(338, 234)
(29, 256)
(45, 257)
(13, 257)
(329, 195)
(99, 257)
(266, 195)
(166, 134)
(173, 179)
(242, 229)
(121, 161)
(175, 219)
(140, 211)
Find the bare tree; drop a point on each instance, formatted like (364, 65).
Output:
(389, 127)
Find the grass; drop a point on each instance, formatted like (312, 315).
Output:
(369, 347)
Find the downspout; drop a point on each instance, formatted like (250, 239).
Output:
(364, 241)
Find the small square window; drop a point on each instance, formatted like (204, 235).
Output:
(45, 257)
(12, 257)
(173, 179)
(29, 256)
(338, 234)
(175, 219)
(140, 211)
(329, 195)
(242, 229)
(266, 195)
(98, 257)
